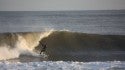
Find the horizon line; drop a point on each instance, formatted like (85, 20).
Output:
(64, 10)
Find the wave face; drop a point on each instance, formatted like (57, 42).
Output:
(63, 45)
(12, 45)
(68, 40)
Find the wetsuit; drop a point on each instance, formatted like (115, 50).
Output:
(43, 48)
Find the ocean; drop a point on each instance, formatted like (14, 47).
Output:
(75, 40)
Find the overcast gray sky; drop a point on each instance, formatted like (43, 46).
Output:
(48, 5)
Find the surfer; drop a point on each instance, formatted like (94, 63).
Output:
(43, 47)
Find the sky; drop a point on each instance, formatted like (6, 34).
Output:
(58, 5)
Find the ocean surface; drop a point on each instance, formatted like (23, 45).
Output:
(75, 40)
(97, 22)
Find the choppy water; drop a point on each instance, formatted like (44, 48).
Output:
(63, 65)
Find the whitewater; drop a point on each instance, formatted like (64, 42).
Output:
(21, 43)
(63, 65)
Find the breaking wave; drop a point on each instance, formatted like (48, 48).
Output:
(12, 45)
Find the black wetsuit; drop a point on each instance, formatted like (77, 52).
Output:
(43, 48)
